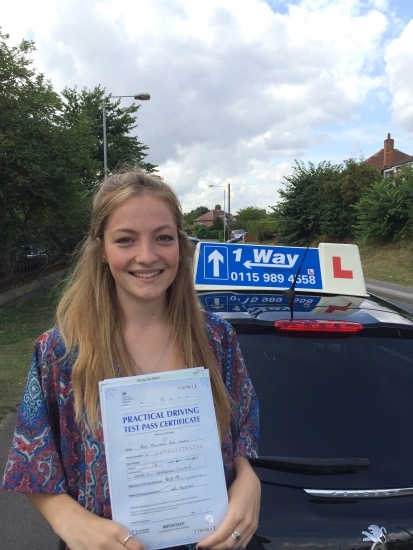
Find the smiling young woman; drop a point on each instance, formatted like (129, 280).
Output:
(141, 249)
(129, 307)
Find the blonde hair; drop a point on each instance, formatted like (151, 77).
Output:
(89, 317)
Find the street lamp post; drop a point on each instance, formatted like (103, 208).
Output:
(141, 97)
(229, 210)
(225, 214)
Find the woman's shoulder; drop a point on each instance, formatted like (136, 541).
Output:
(218, 326)
(214, 320)
(50, 343)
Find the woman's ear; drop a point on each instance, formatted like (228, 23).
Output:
(104, 259)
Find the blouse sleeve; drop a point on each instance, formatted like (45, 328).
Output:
(244, 430)
(34, 464)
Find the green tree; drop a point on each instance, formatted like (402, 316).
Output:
(273, 213)
(249, 214)
(195, 213)
(356, 176)
(122, 148)
(300, 213)
(42, 159)
(264, 230)
(341, 187)
(318, 202)
(218, 224)
(385, 210)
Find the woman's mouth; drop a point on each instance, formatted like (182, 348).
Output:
(146, 275)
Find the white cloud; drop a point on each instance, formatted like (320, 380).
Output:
(238, 88)
(399, 59)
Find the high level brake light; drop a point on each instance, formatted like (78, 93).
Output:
(301, 325)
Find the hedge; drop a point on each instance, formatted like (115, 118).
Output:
(265, 230)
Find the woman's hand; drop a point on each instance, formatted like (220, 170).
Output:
(243, 511)
(79, 528)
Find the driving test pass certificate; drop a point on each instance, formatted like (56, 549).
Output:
(164, 460)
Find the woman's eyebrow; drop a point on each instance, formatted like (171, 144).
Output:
(124, 230)
(133, 231)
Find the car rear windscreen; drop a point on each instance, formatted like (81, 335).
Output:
(324, 397)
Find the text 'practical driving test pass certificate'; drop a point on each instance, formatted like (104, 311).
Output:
(166, 476)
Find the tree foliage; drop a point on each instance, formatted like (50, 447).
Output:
(195, 213)
(318, 201)
(264, 230)
(385, 210)
(356, 177)
(122, 148)
(218, 223)
(51, 155)
(250, 213)
(273, 213)
(41, 159)
(300, 208)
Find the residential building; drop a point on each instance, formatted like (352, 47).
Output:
(209, 217)
(388, 160)
(394, 170)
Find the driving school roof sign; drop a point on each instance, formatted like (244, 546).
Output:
(330, 268)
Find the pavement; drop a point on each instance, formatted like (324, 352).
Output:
(391, 292)
(21, 526)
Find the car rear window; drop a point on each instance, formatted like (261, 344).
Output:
(325, 397)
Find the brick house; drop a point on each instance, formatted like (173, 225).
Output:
(395, 169)
(208, 218)
(388, 160)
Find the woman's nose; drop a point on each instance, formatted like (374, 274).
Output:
(146, 252)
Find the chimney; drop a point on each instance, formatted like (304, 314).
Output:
(388, 159)
(218, 207)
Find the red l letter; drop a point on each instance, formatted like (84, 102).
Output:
(338, 272)
(332, 309)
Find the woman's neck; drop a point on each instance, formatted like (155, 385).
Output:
(144, 315)
(149, 342)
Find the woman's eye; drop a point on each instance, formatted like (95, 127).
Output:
(165, 238)
(123, 240)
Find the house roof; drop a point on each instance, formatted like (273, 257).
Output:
(406, 160)
(209, 216)
(377, 160)
(212, 215)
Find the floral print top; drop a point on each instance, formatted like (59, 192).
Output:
(52, 453)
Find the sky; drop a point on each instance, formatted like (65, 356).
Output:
(240, 89)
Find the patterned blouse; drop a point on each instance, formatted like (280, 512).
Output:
(51, 453)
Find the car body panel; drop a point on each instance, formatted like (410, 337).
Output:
(237, 233)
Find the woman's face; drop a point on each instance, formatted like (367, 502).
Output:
(142, 250)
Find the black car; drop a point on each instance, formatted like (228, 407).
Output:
(334, 374)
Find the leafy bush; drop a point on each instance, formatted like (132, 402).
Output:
(248, 214)
(319, 200)
(214, 234)
(204, 232)
(263, 229)
(201, 232)
(385, 210)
